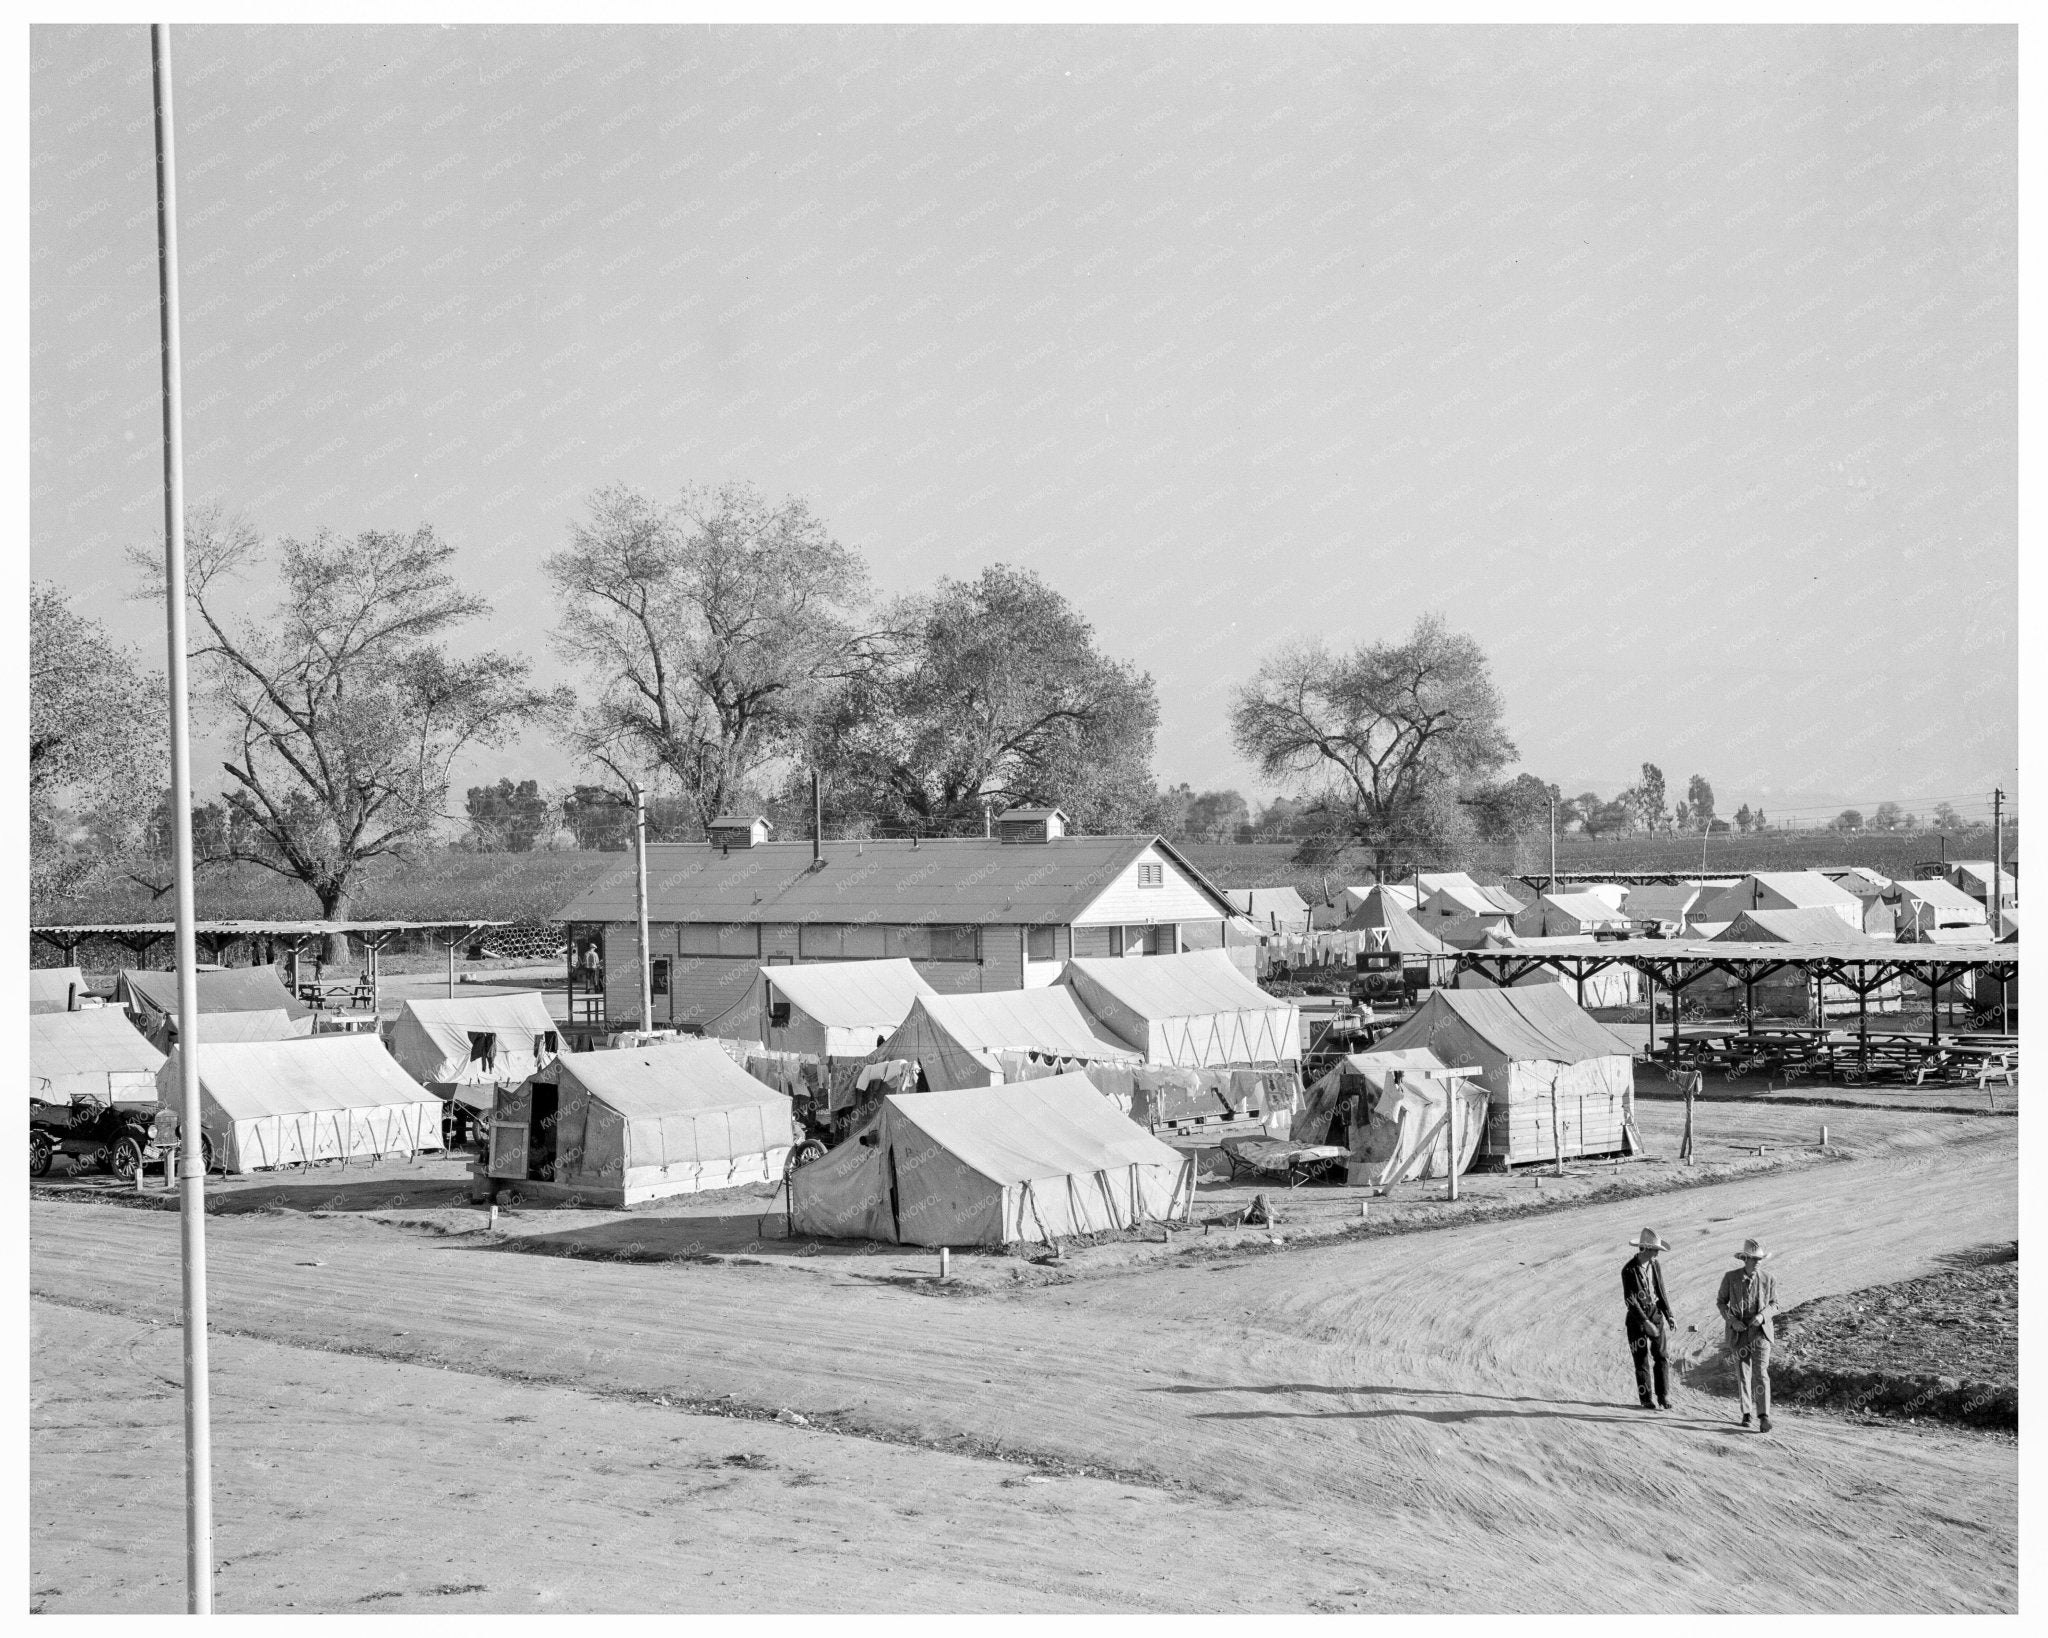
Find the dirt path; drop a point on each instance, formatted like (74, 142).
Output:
(1446, 1419)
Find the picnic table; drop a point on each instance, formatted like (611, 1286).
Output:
(1850, 1056)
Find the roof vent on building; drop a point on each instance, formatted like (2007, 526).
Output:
(1032, 825)
(740, 830)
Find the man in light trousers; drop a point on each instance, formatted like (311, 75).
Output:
(1748, 1301)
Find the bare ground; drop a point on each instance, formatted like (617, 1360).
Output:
(1436, 1420)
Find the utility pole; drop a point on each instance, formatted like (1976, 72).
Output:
(191, 1139)
(1553, 844)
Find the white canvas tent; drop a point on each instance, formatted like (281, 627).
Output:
(640, 1123)
(273, 1024)
(96, 1052)
(319, 1097)
(475, 1041)
(991, 1166)
(151, 998)
(55, 989)
(841, 1009)
(1547, 1065)
(1388, 1109)
(1191, 1011)
(985, 1040)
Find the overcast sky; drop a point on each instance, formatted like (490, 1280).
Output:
(1678, 367)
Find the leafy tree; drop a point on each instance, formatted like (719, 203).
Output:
(1699, 804)
(343, 708)
(713, 627)
(1381, 739)
(506, 818)
(1517, 808)
(1744, 819)
(1646, 798)
(97, 740)
(598, 819)
(990, 690)
(1217, 816)
(1887, 816)
(1757, 821)
(1847, 819)
(1945, 817)
(1910, 822)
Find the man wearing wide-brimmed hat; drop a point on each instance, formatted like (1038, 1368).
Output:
(1749, 1302)
(1647, 1318)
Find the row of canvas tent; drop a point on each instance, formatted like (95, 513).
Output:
(1193, 1010)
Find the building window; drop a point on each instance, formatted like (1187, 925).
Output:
(733, 938)
(659, 978)
(939, 943)
(1038, 944)
(1151, 875)
(840, 941)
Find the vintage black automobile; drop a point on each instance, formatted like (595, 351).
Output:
(120, 1138)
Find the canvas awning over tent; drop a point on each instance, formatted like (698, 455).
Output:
(638, 1123)
(839, 1009)
(321, 1097)
(96, 1052)
(52, 989)
(1939, 904)
(482, 1040)
(962, 1040)
(1190, 1010)
(993, 1165)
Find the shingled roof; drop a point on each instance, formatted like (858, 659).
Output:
(946, 880)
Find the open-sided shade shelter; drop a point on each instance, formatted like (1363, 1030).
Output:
(1033, 1161)
(321, 1097)
(1192, 1011)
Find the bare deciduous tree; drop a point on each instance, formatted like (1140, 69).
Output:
(1381, 739)
(709, 629)
(343, 706)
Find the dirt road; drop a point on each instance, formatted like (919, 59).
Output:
(1437, 1421)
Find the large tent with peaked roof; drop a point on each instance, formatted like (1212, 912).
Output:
(841, 1009)
(640, 1123)
(1788, 992)
(1547, 1065)
(985, 1040)
(152, 999)
(1388, 1110)
(1036, 1161)
(1192, 1011)
(321, 1097)
(95, 1052)
(474, 1041)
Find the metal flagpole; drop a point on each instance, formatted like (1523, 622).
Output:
(191, 1162)
(640, 904)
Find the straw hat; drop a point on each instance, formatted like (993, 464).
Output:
(1648, 1241)
(1753, 1248)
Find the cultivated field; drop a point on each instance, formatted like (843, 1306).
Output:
(412, 1415)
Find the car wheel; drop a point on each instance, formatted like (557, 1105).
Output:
(41, 1151)
(124, 1160)
(205, 1152)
